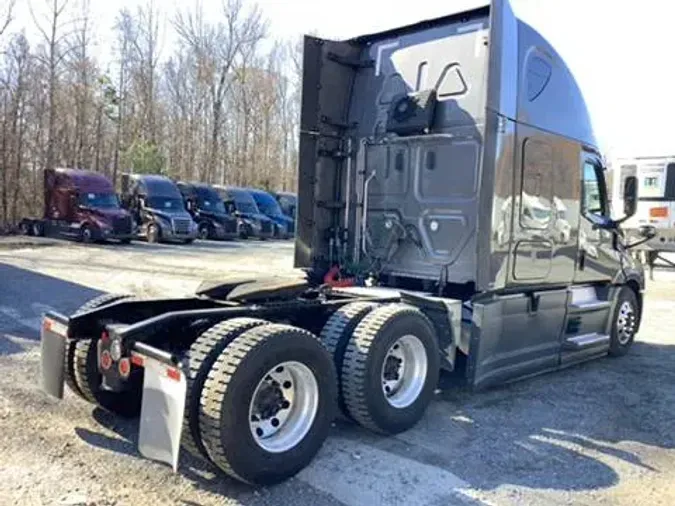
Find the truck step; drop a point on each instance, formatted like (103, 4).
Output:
(585, 341)
(585, 299)
(590, 305)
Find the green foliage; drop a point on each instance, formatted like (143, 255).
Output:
(109, 97)
(144, 157)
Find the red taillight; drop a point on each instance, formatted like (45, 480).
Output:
(105, 337)
(172, 373)
(106, 360)
(137, 360)
(658, 212)
(124, 367)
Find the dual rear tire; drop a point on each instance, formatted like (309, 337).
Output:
(260, 399)
(388, 363)
(83, 377)
(261, 396)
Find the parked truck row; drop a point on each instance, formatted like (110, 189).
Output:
(452, 190)
(84, 206)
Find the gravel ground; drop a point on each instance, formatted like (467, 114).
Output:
(600, 433)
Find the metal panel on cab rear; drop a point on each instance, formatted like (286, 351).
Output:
(421, 194)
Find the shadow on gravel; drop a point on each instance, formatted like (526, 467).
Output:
(196, 247)
(572, 430)
(24, 298)
(204, 475)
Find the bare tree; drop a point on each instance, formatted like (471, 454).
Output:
(125, 40)
(220, 106)
(54, 37)
(146, 52)
(84, 73)
(218, 48)
(6, 15)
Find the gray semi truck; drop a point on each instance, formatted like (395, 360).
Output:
(411, 141)
(158, 208)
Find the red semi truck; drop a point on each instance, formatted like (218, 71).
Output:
(80, 204)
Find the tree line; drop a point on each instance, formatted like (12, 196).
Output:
(220, 105)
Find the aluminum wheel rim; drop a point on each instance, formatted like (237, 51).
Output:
(625, 323)
(86, 235)
(283, 407)
(404, 371)
(203, 233)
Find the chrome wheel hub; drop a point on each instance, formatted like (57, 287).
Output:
(404, 371)
(283, 406)
(626, 323)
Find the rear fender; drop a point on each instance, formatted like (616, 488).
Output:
(446, 316)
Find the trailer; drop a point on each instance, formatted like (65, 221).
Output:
(656, 205)
(81, 205)
(411, 141)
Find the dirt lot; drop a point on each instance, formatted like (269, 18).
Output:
(601, 433)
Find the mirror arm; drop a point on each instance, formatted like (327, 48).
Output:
(638, 243)
(621, 220)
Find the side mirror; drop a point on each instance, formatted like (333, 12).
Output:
(630, 197)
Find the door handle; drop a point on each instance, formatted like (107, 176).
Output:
(582, 259)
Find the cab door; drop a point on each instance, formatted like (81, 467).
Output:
(597, 258)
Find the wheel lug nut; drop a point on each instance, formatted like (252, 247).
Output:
(285, 405)
(275, 422)
(259, 431)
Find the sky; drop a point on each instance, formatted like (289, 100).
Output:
(620, 51)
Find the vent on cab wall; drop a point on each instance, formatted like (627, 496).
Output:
(412, 114)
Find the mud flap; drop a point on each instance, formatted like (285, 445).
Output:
(52, 354)
(164, 391)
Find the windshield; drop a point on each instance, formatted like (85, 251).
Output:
(165, 203)
(245, 206)
(100, 200)
(243, 201)
(287, 205)
(267, 204)
(209, 200)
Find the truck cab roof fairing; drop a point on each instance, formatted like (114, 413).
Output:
(529, 82)
(86, 181)
(549, 96)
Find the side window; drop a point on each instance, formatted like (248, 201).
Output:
(669, 194)
(538, 72)
(594, 198)
(536, 194)
(651, 182)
